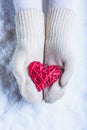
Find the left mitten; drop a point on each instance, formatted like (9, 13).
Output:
(30, 47)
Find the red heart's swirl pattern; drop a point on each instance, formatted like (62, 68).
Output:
(43, 75)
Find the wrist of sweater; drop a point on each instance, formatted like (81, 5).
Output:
(27, 4)
(70, 4)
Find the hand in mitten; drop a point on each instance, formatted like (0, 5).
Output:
(30, 47)
(59, 50)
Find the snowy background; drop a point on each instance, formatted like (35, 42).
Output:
(70, 112)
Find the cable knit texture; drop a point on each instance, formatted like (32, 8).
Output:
(59, 49)
(30, 47)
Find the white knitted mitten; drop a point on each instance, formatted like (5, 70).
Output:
(30, 47)
(58, 49)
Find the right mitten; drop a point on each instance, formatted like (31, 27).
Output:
(59, 49)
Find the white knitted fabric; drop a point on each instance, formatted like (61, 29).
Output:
(58, 49)
(30, 47)
(27, 4)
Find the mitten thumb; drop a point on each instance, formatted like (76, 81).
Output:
(68, 72)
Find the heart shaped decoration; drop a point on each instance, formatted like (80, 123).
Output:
(43, 75)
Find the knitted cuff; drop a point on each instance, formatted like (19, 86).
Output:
(29, 24)
(59, 23)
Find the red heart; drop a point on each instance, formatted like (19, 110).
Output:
(43, 75)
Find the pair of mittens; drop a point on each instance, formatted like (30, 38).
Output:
(58, 53)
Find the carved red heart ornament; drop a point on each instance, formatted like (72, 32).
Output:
(43, 75)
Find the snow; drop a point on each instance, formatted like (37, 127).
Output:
(68, 113)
